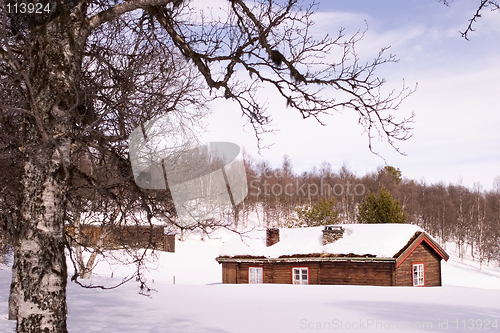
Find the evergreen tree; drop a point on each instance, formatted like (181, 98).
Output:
(381, 208)
(322, 213)
(394, 172)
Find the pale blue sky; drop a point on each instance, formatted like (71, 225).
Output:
(456, 134)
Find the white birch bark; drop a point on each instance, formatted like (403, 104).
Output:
(38, 294)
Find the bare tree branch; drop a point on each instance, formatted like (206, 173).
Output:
(494, 4)
(120, 9)
(484, 4)
(298, 74)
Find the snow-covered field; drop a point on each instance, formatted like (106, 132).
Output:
(469, 301)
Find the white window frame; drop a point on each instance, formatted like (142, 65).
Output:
(418, 274)
(300, 275)
(255, 274)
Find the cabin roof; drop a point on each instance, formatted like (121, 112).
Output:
(375, 241)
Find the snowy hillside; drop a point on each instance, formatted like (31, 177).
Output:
(198, 302)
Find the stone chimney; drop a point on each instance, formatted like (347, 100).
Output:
(332, 233)
(272, 236)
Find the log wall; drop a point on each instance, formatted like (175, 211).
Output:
(117, 237)
(423, 253)
(229, 271)
(357, 273)
(354, 273)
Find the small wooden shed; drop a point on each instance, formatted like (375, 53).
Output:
(350, 254)
(117, 237)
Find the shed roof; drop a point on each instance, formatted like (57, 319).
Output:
(380, 241)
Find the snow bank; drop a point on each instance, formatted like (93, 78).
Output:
(199, 303)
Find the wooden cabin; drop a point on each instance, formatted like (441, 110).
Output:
(117, 237)
(350, 254)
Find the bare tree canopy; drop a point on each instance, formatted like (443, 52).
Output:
(78, 76)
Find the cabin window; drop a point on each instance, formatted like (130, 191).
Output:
(300, 275)
(255, 275)
(418, 275)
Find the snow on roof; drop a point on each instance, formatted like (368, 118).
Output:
(380, 240)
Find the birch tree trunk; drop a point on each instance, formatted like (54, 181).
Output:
(42, 272)
(38, 293)
(85, 268)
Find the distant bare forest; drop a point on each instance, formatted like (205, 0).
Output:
(470, 217)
